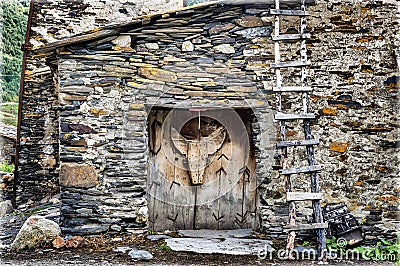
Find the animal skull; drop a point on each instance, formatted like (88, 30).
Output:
(197, 151)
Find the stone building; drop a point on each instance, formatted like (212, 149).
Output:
(8, 136)
(123, 108)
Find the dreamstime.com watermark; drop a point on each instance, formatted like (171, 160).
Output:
(339, 253)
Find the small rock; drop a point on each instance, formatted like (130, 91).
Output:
(152, 46)
(6, 237)
(74, 242)
(3, 247)
(187, 46)
(36, 231)
(54, 201)
(157, 237)
(220, 28)
(338, 146)
(116, 227)
(58, 242)
(6, 208)
(249, 22)
(157, 74)
(255, 32)
(122, 249)
(78, 175)
(138, 254)
(329, 111)
(142, 215)
(122, 41)
(225, 48)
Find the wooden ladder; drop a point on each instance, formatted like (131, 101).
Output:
(308, 142)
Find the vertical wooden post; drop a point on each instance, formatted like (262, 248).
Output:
(321, 236)
(284, 152)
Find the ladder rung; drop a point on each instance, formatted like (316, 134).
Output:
(289, 37)
(290, 64)
(281, 116)
(306, 169)
(289, 12)
(302, 196)
(301, 227)
(292, 143)
(291, 89)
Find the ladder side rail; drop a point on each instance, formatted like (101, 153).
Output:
(303, 55)
(284, 150)
(315, 187)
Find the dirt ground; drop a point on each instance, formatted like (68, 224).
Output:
(175, 258)
(99, 251)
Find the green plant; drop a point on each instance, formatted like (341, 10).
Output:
(306, 243)
(14, 19)
(5, 167)
(164, 247)
(383, 250)
(332, 245)
(32, 211)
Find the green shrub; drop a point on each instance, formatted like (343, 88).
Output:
(5, 167)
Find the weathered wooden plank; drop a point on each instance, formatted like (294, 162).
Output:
(293, 143)
(305, 169)
(171, 207)
(289, 12)
(281, 116)
(290, 64)
(291, 37)
(95, 35)
(302, 227)
(227, 199)
(208, 198)
(284, 154)
(302, 196)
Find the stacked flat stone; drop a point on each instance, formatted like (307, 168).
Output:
(210, 56)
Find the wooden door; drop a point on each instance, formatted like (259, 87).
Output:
(201, 170)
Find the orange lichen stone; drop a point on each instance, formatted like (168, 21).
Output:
(338, 146)
(329, 111)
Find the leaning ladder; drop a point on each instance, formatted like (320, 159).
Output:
(312, 169)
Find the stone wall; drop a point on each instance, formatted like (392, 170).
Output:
(37, 177)
(355, 80)
(7, 151)
(59, 19)
(8, 134)
(104, 89)
(357, 99)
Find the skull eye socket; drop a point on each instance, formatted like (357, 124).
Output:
(190, 129)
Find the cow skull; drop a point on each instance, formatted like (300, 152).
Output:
(197, 151)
